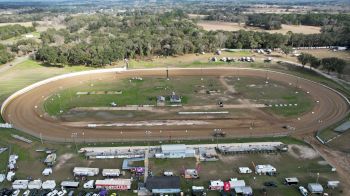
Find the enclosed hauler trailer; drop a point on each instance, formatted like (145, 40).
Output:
(48, 184)
(35, 184)
(114, 184)
(111, 172)
(85, 171)
(20, 184)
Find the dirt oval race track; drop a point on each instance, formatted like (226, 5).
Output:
(25, 111)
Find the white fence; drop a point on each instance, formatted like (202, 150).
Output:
(6, 125)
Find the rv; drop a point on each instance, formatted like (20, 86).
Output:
(35, 184)
(85, 171)
(48, 184)
(244, 170)
(110, 172)
(20, 184)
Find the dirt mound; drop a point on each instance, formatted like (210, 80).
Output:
(302, 152)
(63, 159)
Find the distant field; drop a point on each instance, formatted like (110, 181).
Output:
(230, 26)
(26, 24)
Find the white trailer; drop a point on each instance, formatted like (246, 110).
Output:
(10, 176)
(35, 184)
(48, 184)
(20, 184)
(244, 170)
(265, 169)
(89, 184)
(110, 172)
(85, 171)
(2, 177)
(114, 184)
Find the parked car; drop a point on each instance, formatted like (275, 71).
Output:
(26, 193)
(270, 184)
(71, 193)
(303, 191)
(16, 193)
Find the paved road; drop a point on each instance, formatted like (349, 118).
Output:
(26, 114)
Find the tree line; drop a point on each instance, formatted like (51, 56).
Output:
(9, 31)
(312, 19)
(5, 55)
(98, 40)
(331, 64)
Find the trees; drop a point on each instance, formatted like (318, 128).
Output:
(287, 49)
(333, 64)
(9, 31)
(5, 56)
(315, 62)
(303, 59)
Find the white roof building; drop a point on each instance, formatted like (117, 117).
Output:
(315, 188)
(175, 151)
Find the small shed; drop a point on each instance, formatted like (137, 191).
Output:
(315, 188)
(291, 181)
(333, 184)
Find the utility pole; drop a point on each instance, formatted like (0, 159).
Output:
(167, 73)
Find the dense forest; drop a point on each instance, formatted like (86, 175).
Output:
(274, 21)
(100, 39)
(97, 40)
(9, 31)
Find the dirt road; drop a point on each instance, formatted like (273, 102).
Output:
(25, 112)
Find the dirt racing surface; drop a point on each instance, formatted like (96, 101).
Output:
(25, 112)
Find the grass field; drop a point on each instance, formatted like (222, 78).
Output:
(274, 92)
(191, 89)
(227, 166)
(27, 73)
(30, 164)
(231, 26)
